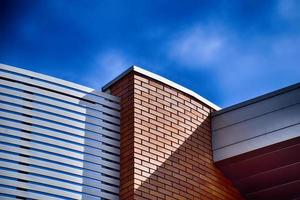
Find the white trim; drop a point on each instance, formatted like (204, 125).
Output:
(163, 80)
(258, 99)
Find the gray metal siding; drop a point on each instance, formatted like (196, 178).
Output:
(256, 125)
(59, 140)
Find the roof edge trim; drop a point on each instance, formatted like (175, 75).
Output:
(257, 99)
(163, 80)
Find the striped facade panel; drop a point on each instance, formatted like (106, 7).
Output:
(58, 140)
(258, 123)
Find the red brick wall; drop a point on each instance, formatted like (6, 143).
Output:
(166, 144)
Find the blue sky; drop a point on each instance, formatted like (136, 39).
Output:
(227, 51)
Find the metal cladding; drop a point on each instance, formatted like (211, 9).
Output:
(257, 123)
(256, 144)
(59, 140)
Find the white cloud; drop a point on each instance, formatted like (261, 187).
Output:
(196, 47)
(243, 67)
(105, 67)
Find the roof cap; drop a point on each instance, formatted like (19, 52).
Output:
(163, 80)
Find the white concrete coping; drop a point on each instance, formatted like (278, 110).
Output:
(162, 80)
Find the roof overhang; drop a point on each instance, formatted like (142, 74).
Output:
(257, 143)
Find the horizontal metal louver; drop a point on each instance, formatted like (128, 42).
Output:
(58, 140)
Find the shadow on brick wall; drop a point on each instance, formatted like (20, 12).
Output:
(188, 173)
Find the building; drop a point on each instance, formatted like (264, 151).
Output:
(143, 137)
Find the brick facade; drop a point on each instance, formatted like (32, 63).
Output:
(166, 148)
